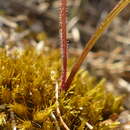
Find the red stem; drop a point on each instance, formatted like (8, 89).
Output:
(63, 38)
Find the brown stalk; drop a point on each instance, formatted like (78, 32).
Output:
(102, 27)
(63, 39)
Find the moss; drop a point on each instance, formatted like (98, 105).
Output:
(27, 88)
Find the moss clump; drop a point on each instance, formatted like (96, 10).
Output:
(27, 88)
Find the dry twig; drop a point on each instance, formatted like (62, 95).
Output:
(58, 109)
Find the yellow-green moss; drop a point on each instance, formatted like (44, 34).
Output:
(27, 88)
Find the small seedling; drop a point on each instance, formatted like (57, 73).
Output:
(102, 27)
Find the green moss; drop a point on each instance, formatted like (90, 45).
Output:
(27, 88)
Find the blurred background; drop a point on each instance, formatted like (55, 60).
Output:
(36, 23)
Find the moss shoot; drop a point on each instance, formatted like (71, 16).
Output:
(27, 91)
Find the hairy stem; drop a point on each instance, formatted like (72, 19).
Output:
(102, 27)
(63, 39)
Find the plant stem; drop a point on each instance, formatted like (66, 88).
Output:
(102, 27)
(63, 38)
(57, 107)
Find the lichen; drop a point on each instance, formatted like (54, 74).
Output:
(27, 88)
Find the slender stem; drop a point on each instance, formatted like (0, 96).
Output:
(63, 38)
(57, 107)
(102, 27)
